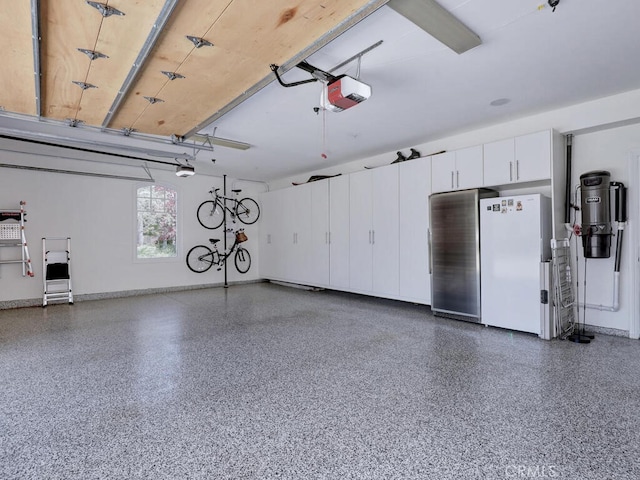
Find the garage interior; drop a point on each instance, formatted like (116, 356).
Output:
(154, 371)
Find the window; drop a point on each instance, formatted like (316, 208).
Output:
(157, 222)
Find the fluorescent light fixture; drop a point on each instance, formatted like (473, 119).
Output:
(185, 170)
(437, 22)
(221, 142)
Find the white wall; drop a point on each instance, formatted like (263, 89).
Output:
(606, 131)
(99, 216)
(608, 150)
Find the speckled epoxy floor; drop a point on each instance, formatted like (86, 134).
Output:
(263, 381)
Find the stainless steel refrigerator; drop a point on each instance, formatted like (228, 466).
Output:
(455, 253)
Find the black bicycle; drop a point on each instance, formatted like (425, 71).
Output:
(211, 213)
(201, 258)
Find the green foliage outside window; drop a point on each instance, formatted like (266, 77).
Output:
(157, 222)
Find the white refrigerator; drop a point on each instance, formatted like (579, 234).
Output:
(515, 233)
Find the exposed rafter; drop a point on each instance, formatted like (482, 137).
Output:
(158, 25)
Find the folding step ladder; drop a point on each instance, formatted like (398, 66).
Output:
(564, 304)
(12, 235)
(56, 271)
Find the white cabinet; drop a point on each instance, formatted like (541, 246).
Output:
(339, 232)
(271, 236)
(414, 190)
(525, 158)
(385, 230)
(360, 236)
(373, 232)
(294, 234)
(306, 233)
(457, 170)
(296, 224)
(318, 251)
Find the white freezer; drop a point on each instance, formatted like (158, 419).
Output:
(514, 240)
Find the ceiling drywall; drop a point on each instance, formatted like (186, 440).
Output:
(536, 58)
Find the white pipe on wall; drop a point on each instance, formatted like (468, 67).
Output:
(616, 298)
(616, 289)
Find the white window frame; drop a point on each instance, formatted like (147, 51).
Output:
(178, 241)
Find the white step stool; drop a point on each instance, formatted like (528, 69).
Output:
(56, 270)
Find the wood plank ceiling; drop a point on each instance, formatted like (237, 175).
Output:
(246, 36)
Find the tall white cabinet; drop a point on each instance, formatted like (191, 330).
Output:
(374, 226)
(319, 250)
(339, 221)
(294, 238)
(414, 191)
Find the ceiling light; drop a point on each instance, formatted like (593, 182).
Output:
(498, 102)
(185, 170)
(221, 142)
(437, 22)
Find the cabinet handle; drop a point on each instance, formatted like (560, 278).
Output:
(373, 237)
(268, 238)
(369, 237)
(457, 179)
(517, 169)
(511, 171)
(451, 178)
(329, 238)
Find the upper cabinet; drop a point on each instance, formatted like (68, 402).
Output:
(521, 159)
(457, 170)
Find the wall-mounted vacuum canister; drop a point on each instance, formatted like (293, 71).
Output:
(596, 214)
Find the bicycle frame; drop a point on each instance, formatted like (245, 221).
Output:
(222, 256)
(221, 201)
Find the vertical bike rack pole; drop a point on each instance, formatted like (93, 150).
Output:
(224, 226)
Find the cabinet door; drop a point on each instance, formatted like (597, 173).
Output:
(469, 166)
(499, 158)
(533, 157)
(298, 217)
(318, 253)
(443, 168)
(272, 238)
(414, 189)
(360, 231)
(266, 235)
(385, 230)
(339, 232)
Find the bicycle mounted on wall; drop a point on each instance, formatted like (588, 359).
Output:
(201, 258)
(212, 214)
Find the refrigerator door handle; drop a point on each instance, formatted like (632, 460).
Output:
(429, 247)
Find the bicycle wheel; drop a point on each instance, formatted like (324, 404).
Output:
(199, 259)
(242, 260)
(210, 214)
(247, 211)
